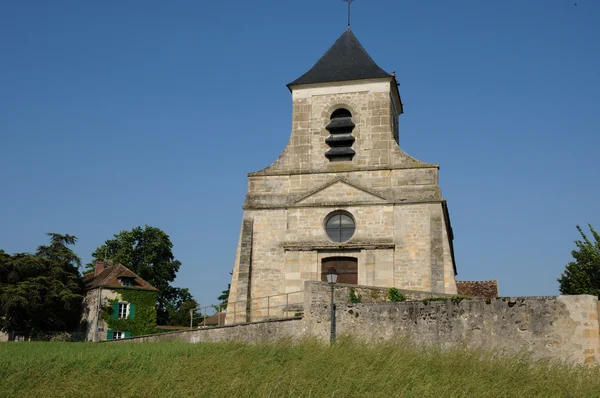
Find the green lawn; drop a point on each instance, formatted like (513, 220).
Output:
(308, 369)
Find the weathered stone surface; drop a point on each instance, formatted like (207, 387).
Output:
(563, 327)
(253, 333)
(557, 327)
(318, 293)
(94, 300)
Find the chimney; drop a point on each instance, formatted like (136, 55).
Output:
(99, 267)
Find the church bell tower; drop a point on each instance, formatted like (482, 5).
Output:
(343, 194)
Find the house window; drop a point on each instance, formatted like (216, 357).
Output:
(341, 139)
(125, 282)
(118, 335)
(340, 226)
(123, 310)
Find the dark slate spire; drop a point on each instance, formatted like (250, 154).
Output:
(345, 60)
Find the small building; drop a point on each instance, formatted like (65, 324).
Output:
(118, 303)
(217, 319)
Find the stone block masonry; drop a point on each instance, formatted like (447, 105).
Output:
(564, 327)
(401, 236)
(251, 333)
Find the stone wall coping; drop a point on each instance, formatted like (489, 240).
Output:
(345, 285)
(199, 329)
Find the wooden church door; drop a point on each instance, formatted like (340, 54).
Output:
(345, 267)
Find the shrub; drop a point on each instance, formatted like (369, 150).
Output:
(395, 296)
(355, 298)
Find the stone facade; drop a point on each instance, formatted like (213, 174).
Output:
(403, 236)
(93, 303)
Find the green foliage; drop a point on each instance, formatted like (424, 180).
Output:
(41, 294)
(582, 276)
(305, 369)
(394, 295)
(148, 253)
(353, 297)
(144, 321)
(459, 298)
(224, 297)
(374, 293)
(180, 313)
(431, 299)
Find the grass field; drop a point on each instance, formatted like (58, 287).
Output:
(307, 369)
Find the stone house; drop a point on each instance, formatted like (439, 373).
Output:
(117, 304)
(343, 195)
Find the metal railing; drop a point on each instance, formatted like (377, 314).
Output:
(279, 306)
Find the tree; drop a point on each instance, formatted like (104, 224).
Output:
(148, 253)
(41, 294)
(582, 276)
(180, 309)
(224, 296)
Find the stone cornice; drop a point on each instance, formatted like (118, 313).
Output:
(268, 172)
(331, 246)
(295, 206)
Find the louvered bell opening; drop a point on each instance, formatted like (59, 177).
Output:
(341, 140)
(341, 125)
(340, 154)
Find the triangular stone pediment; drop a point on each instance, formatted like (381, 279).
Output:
(340, 191)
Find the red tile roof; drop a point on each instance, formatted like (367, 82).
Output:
(488, 289)
(107, 275)
(216, 319)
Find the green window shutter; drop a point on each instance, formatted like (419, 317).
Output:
(116, 310)
(109, 334)
(131, 311)
(127, 334)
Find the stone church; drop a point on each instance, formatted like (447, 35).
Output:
(343, 195)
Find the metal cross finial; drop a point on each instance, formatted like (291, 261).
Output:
(349, 2)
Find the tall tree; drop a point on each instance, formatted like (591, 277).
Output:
(41, 293)
(149, 253)
(582, 276)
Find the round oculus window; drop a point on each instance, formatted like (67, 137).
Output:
(340, 227)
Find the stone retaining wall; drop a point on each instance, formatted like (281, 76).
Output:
(258, 332)
(563, 327)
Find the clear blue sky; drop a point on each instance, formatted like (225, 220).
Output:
(115, 114)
